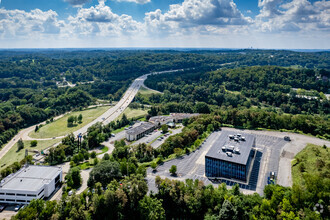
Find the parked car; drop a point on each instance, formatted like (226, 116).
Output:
(2, 207)
(272, 178)
(17, 207)
(70, 193)
(287, 138)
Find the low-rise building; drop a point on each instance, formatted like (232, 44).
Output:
(139, 131)
(179, 117)
(30, 182)
(160, 120)
(230, 156)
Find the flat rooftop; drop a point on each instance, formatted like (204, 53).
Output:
(231, 150)
(30, 178)
(140, 129)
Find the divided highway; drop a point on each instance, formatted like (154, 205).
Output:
(105, 118)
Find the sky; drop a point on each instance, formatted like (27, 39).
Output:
(264, 24)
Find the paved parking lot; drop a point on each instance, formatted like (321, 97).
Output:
(8, 212)
(153, 137)
(192, 166)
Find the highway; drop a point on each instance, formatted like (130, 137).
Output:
(105, 118)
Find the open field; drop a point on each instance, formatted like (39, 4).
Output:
(13, 156)
(312, 159)
(145, 91)
(59, 127)
(134, 113)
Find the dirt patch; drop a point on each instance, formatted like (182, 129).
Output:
(287, 154)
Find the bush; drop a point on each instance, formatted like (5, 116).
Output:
(93, 154)
(34, 143)
(173, 170)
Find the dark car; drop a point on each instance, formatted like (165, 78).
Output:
(287, 138)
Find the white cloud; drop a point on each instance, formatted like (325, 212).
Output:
(199, 16)
(191, 23)
(102, 21)
(18, 22)
(136, 1)
(297, 15)
(76, 2)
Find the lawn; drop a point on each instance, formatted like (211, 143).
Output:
(134, 113)
(60, 128)
(144, 91)
(12, 155)
(312, 159)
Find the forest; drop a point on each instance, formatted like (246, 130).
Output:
(118, 189)
(268, 89)
(34, 83)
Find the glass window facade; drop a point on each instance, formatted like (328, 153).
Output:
(220, 168)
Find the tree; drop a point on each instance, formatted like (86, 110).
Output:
(177, 151)
(93, 154)
(20, 144)
(151, 208)
(104, 172)
(80, 117)
(173, 170)
(34, 143)
(154, 166)
(106, 156)
(73, 178)
(228, 211)
(164, 128)
(71, 119)
(36, 128)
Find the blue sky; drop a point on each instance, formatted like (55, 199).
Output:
(165, 23)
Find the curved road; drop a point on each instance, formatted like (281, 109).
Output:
(105, 118)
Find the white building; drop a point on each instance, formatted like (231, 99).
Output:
(30, 182)
(139, 131)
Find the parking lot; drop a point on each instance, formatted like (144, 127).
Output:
(156, 138)
(8, 212)
(192, 166)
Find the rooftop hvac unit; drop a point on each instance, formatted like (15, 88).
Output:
(230, 148)
(237, 150)
(224, 148)
(242, 138)
(231, 136)
(239, 135)
(229, 154)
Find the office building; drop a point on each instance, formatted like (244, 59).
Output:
(30, 182)
(230, 156)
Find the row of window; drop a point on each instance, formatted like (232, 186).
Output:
(219, 168)
(13, 200)
(18, 194)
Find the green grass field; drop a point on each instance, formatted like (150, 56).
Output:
(59, 127)
(312, 159)
(134, 113)
(13, 156)
(147, 92)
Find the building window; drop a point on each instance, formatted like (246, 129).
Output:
(2, 194)
(20, 200)
(10, 200)
(20, 194)
(31, 195)
(42, 190)
(10, 194)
